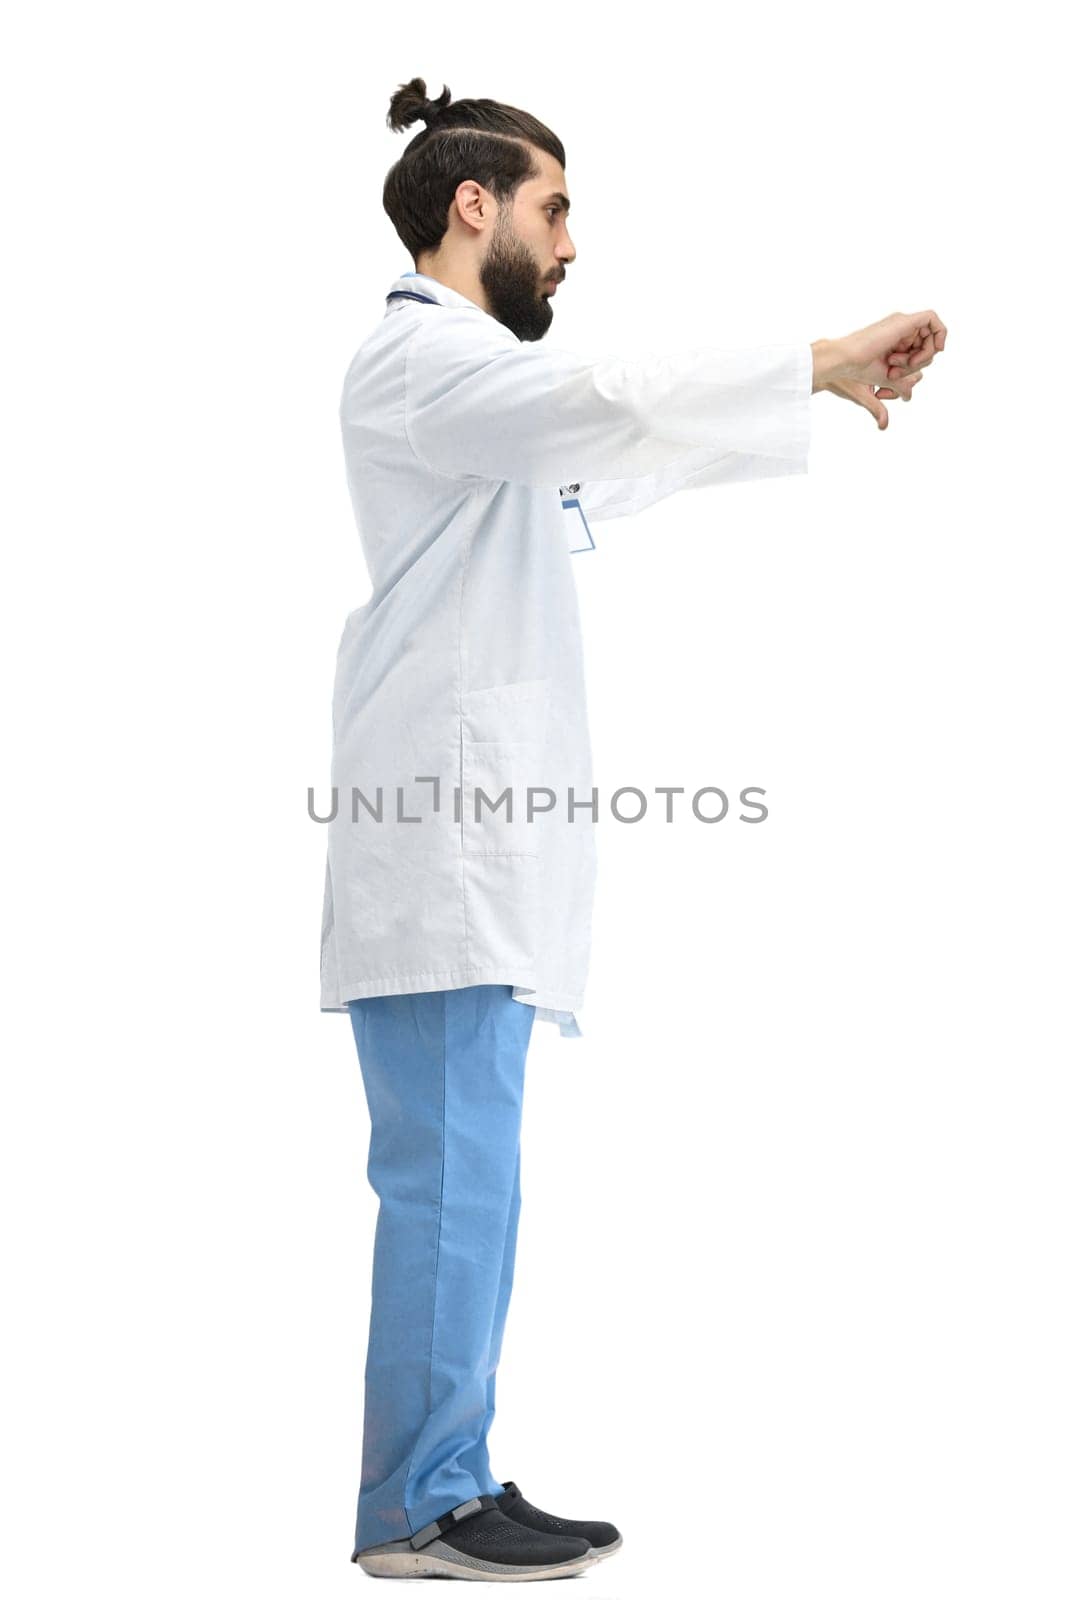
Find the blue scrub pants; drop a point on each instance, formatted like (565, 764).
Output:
(443, 1073)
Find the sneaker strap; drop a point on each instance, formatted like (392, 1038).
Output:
(433, 1530)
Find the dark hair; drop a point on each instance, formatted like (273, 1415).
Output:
(479, 139)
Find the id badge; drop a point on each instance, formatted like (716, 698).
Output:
(578, 534)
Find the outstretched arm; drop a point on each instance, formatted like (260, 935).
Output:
(479, 403)
(878, 363)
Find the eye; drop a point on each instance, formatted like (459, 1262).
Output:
(554, 208)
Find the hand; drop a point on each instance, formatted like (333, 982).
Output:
(882, 362)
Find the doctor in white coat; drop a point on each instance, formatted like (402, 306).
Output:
(461, 855)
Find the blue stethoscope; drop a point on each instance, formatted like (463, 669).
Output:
(411, 294)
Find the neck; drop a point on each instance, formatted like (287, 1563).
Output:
(461, 277)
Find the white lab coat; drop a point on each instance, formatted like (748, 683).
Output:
(465, 666)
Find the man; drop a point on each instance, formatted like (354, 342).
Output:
(461, 856)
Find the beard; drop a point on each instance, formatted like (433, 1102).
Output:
(513, 285)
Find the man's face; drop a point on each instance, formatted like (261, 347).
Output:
(528, 251)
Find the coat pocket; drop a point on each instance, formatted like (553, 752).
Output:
(504, 733)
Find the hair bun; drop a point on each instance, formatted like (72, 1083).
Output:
(409, 104)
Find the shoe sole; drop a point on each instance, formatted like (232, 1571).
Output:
(440, 1560)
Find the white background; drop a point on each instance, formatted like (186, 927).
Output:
(789, 1305)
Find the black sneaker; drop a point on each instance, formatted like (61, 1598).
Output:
(603, 1537)
(476, 1540)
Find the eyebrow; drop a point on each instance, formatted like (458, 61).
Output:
(561, 199)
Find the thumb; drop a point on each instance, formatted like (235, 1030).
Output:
(863, 394)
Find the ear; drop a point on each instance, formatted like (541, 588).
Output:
(474, 204)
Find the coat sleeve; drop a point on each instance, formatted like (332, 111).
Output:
(698, 469)
(480, 403)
